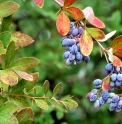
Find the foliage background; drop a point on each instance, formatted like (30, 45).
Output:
(77, 80)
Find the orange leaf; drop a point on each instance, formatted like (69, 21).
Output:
(96, 33)
(116, 61)
(86, 44)
(87, 11)
(68, 3)
(39, 3)
(63, 23)
(117, 46)
(106, 84)
(76, 13)
(95, 21)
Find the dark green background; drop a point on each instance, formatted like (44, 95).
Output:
(77, 79)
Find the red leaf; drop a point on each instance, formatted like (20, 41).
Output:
(87, 11)
(95, 21)
(106, 84)
(40, 3)
(63, 24)
(86, 44)
(116, 61)
(117, 46)
(96, 33)
(76, 13)
(68, 3)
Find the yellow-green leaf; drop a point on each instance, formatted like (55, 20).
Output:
(86, 44)
(21, 39)
(7, 8)
(42, 104)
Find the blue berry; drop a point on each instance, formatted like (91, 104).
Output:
(117, 69)
(93, 98)
(65, 42)
(94, 91)
(118, 109)
(89, 95)
(109, 100)
(101, 101)
(74, 49)
(86, 59)
(109, 67)
(111, 95)
(75, 32)
(113, 77)
(115, 99)
(120, 104)
(72, 24)
(112, 84)
(119, 77)
(80, 30)
(66, 54)
(105, 95)
(118, 83)
(71, 57)
(68, 62)
(79, 56)
(97, 82)
(96, 104)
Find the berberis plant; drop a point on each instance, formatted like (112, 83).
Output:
(18, 86)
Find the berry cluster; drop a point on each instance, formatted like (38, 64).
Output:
(71, 42)
(100, 97)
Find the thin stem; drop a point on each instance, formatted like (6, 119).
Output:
(104, 51)
(106, 57)
(42, 97)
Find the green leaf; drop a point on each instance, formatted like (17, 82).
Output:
(55, 103)
(34, 91)
(2, 50)
(6, 22)
(10, 53)
(46, 86)
(25, 116)
(24, 64)
(21, 39)
(42, 104)
(20, 86)
(96, 33)
(117, 46)
(5, 37)
(25, 75)
(86, 44)
(106, 83)
(69, 103)
(20, 102)
(2, 100)
(8, 118)
(7, 8)
(8, 77)
(8, 108)
(57, 89)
